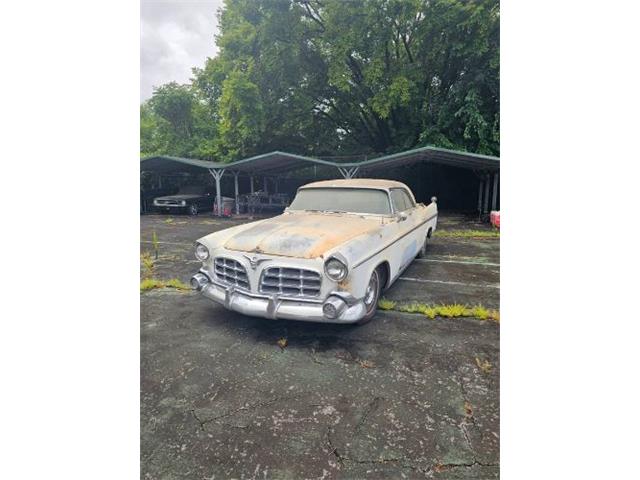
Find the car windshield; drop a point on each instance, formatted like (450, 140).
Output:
(191, 190)
(356, 200)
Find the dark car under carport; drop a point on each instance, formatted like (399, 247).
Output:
(191, 199)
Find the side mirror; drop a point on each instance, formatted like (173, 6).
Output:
(401, 217)
(434, 199)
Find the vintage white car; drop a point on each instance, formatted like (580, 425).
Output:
(327, 258)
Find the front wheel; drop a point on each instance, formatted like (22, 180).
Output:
(371, 297)
(193, 209)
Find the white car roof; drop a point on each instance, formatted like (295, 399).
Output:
(357, 183)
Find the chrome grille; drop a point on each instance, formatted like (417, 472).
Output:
(231, 272)
(290, 281)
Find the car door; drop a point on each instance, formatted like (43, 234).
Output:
(414, 219)
(404, 248)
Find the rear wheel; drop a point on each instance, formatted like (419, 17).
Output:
(371, 296)
(423, 250)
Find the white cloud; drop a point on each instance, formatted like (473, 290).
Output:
(175, 36)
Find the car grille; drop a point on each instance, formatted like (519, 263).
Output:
(290, 281)
(231, 272)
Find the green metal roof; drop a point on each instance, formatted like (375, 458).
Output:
(168, 164)
(274, 162)
(278, 162)
(444, 156)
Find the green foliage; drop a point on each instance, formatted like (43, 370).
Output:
(155, 243)
(152, 283)
(468, 233)
(454, 310)
(148, 264)
(241, 115)
(385, 304)
(329, 77)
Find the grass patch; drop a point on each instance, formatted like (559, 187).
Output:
(467, 233)
(147, 264)
(454, 310)
(169, 221)
(152, 283)
(384, 304)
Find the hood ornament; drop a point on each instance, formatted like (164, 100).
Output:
(254, 261)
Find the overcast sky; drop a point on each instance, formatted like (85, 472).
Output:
(175, 36)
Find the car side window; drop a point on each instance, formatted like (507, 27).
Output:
(409, 203)
(398, 200)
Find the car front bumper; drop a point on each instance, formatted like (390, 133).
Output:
(170, 207)
(348, 308)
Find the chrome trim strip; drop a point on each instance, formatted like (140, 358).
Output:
(394, 241)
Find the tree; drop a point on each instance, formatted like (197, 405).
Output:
(178, 121)
(328, 77)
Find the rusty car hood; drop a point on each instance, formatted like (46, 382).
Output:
(301, 235)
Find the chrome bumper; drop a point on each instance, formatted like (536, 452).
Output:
(274, 307)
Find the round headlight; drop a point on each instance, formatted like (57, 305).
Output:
(202, 252)
(335, 269)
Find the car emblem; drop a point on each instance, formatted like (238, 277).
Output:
(255, 261)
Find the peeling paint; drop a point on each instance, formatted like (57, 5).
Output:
(303, 235)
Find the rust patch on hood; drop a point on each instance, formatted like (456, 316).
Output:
(301, 235)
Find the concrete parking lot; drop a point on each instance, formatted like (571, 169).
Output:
(401, 397)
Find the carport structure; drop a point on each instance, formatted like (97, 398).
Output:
(486, 168)
(276, 163)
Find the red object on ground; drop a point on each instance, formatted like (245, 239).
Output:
(226, 210)
(494, 218)
(227, 207)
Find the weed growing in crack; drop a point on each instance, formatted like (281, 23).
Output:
(454, 310)
(155, 242)
(152, 283)
(467, 233)
(384, 304)
(147, 264)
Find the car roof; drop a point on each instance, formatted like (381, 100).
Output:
(378, 183)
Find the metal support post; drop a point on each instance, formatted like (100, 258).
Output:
(494, 198)
(251, 182)
(264, 182)
(217, 174)
(235, 184)
(480, 189)
(348, 173)
(486, 193)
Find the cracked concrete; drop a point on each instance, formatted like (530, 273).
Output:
(401, 397)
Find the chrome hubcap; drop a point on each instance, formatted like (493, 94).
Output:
(372, 288)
